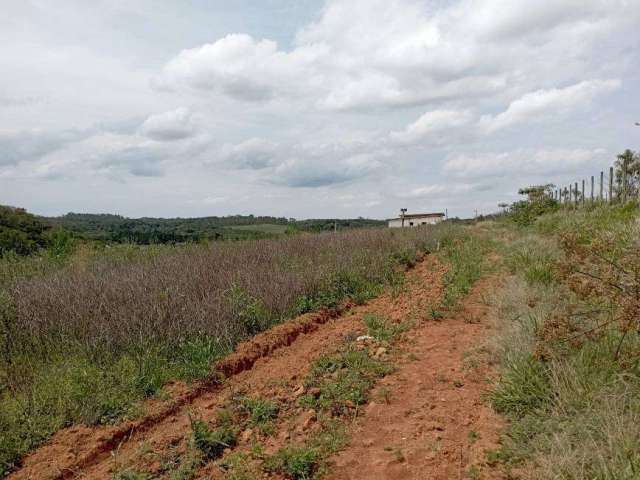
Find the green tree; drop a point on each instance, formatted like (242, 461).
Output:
(20, 232)
(629, 161)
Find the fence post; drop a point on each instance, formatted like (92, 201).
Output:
(601, 185)
(610, 184)
(571, 194)
(575, 193)
(582, 199)
(624, 181)
(592, 182)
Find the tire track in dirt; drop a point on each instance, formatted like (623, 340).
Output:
(271, 364)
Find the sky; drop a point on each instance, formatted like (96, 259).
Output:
(309, 108)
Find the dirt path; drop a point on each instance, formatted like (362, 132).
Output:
(423, 431)
(434, 424)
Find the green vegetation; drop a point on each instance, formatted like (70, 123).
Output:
(569, 371)
(297, 463)
(342, 381)
(261, 413)
(20, 232)
(382, 329)
(465, 252)
(212, 442)
(146, 231)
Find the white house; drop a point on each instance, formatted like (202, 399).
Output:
(415, 219)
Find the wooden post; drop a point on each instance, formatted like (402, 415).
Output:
(601, 185)
(610, 184)
(570, 194)
(575, 193)
(624, 181)
(582, 199)
(592, 183)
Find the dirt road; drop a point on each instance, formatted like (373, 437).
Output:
(427, 419)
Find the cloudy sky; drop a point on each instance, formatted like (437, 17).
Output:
(309, 108)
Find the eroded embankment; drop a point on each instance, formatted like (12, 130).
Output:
(76, 448)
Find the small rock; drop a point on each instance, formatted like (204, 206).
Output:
(298, 391)
(308, 418)
(363, 338)
(367, 442)
(246, 435)
(379, 352)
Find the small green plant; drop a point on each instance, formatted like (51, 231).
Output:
(131, 475)
(382, 329)
(261, 412)
(296, 463)
(435, 314)
(212, 442)
(343, 380)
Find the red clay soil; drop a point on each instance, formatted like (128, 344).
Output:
(433, 423)
(422, 432)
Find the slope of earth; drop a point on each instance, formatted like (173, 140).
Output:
(432, 423)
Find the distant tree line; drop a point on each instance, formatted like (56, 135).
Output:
(23, 233)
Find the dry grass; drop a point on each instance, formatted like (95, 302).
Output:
(570, 376)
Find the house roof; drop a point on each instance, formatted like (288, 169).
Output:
(419, 215)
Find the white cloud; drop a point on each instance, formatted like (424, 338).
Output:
(362, 54)
(176, 124)
(545, 162)
(542, 104)
(434, 126)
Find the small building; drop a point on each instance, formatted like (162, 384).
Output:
(415, 219)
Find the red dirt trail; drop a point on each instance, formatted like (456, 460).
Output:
(432, 423)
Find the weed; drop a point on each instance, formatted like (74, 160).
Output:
(382, 329)
(343, 380)
(465, 255)
(212, 442)
(261, 412)
(296, 463)
(131, 475)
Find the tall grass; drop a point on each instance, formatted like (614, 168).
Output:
(569, 348)
(83, 341)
